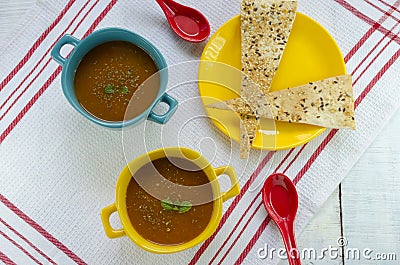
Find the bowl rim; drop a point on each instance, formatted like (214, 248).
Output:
(91, 41)
(134, 165)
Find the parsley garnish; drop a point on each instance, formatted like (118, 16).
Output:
(181, 207)
(109, 89)
(124, 90)
(185, 206)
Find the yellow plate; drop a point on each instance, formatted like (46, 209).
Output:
(311, 54)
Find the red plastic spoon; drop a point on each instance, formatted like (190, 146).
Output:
(280, 200)
(188, 23)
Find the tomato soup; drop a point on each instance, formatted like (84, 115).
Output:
(169, 201)
(108, 81)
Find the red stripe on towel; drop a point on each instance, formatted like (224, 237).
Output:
(233, 205)
(36, 45)
(4, 200)
(315, 155)
(356, 47)
(369, 20)
(245, 213)
(20, 247)
(17, 119)
(45, 55)
(27, 241)
(329, 137)
(6, 260)
(41, 230)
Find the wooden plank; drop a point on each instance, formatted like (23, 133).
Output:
(371, 198)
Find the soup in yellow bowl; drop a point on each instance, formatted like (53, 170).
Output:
(169, 200)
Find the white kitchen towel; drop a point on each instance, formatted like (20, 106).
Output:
(58, 170)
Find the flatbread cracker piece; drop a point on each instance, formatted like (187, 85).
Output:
(248, 129)
(240, 106)
(327, 103)
(265, 29)
(249, 123)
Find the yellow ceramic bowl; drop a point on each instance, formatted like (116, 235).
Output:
(122, 185)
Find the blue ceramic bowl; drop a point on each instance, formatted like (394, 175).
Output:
(82, 47)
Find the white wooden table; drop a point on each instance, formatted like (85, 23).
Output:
(364, 209)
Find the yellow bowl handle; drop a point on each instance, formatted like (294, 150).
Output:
(235, 187)
(105, 219)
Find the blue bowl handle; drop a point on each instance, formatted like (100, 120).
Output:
(163, 118)
(55, 52)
